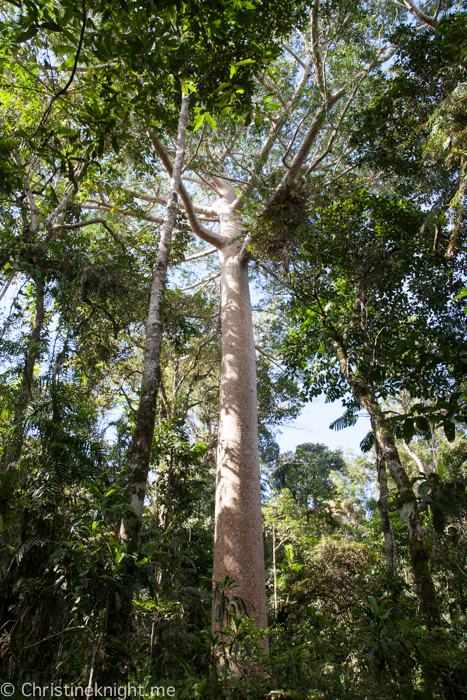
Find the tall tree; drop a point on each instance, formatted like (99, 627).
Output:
(372, 317)
(210, 45)
(297, 98)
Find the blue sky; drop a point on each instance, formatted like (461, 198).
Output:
(312, 425)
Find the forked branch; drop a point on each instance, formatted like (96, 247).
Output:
(200, 230)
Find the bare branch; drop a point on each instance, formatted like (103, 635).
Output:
(60, 208)
(85, 69)
(7, 284)
(272, 137)
(320, 158)
(422, 16)
(68, 629)
(269, 357)
(294, 55)
(201, 254)
(206, 211)
(201, 181)
(416, 459)
(206, 234)
(101, 206)
(202, 282)
(315, 47)
(307, 142)
(276, 277)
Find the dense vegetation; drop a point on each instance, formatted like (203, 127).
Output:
(322, 145)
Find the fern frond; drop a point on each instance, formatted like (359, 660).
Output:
(349, 418)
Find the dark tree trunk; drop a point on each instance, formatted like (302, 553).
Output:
(15, 443)
(119, 618)
(144, 430)
(383, 507)
(419, 552)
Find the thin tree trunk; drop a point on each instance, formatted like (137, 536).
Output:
(144, 430)
(383, 507)
(274, 568)
(13, 449)
(421, 466)
(238, 539)
(419, 552)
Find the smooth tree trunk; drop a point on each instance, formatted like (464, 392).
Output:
(383, 507)
(146, 414)
(419, 551)
(238, 538)
(14, 446)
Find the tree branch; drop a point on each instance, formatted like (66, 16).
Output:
(34, 209)
(82, 224)
(327, 150)
(101, 206)
(201, 254)
(315, 47)
(422, 16)
(206, 234)
(269, 357)
(416, 459)
(272, 137)
(306, 145)
(294, 55)
(205, 211)
(201, 282)
(73, 72)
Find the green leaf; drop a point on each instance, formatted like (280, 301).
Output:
(64, 49)
(367, 442)
(210, 121)
(373, 605)
(405, 512)
(422, 424)
(438, 519)
(64, 131)
(408, 429)
(462, 294)
(199, 119)
(28, 34)
(449, 430)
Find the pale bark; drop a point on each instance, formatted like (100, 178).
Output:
(204, 233)
(144, 429)
(238, 539)
(421, 466)
(238, 549)
(430, 20)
